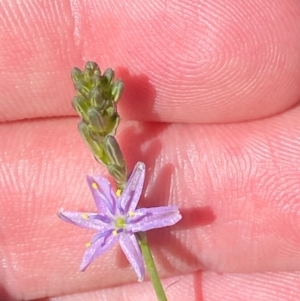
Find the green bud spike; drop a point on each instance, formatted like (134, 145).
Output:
(97, 120)
(107, 77)
(81, 105)
(113, 151)
(76, 75)
(96, 104)
(117, 89)
(96, 98)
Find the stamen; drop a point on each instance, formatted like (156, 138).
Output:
(85, 216)
(88, 244)
(115, 233)
(118, 192)
(94, 185)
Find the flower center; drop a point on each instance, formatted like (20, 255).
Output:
(120, 222)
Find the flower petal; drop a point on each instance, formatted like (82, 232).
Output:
(82, 219)
(133, 253)
(150, 218)
(133, 189)
(100, 243)
(103, 194)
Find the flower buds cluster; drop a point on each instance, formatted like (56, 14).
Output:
(95, 102)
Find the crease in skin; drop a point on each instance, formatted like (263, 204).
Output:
(77, 15)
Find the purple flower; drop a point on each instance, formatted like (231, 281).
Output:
(118, 219)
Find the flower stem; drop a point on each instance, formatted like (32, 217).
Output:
(150, 265)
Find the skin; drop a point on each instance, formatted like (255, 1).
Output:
(210, 105)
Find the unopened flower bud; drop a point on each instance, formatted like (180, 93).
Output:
(76, 75)
(96, 98)
(92, 66)
(81, 88)
(97, 120)
(95, 147)
(107, 77)
(80, 104)
(113, 122)
(119, 174)
(91, 75)
(95, 135)
(117, 89)
(113, 151)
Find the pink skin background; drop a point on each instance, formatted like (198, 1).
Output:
(210, 105)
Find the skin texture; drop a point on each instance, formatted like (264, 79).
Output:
(210, 105)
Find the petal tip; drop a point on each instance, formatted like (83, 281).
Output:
(60, 213)
(82, 267)
(61, 210)
(140, 165)
(89, 179)
(84, 264)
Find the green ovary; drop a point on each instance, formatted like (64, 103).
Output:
(120, 222)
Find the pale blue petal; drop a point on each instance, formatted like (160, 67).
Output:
(104, 196)
(132, 192)
(150, 218)
(133, 253)
(100, 243)
(82, 219)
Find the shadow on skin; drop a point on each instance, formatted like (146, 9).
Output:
(141, 144)
(169, 248)
(138, 97)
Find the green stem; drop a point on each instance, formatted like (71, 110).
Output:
(150, 265)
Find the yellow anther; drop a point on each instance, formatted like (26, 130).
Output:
(115, 233)
(84, 215)
(131, 213)
(118, 192)
(94, 185)
(88, 244)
